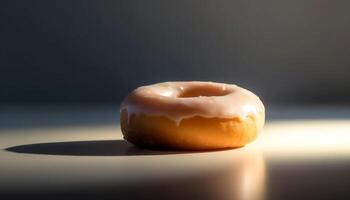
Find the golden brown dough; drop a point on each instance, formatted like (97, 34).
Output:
(196, 133)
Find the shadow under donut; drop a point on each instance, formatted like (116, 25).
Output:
(92, 148)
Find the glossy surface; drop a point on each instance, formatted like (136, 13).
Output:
(182, 100)
(294, 158)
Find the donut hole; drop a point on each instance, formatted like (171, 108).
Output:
(204, 91)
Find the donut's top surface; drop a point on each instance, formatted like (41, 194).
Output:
(179, 100)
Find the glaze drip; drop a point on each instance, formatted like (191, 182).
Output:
(181, 100)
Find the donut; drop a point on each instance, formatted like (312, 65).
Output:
(191, 115)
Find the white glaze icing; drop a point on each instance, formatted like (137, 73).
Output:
(166, 99)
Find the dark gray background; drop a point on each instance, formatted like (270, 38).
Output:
(68, 52)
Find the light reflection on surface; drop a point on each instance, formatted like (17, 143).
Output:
(316, 138)
(242, 178)
(252, 176)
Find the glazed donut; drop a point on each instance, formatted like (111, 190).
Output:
(191, 115)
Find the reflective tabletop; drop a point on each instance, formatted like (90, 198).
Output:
(63, 153)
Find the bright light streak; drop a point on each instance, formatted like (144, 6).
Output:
(318, 138)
